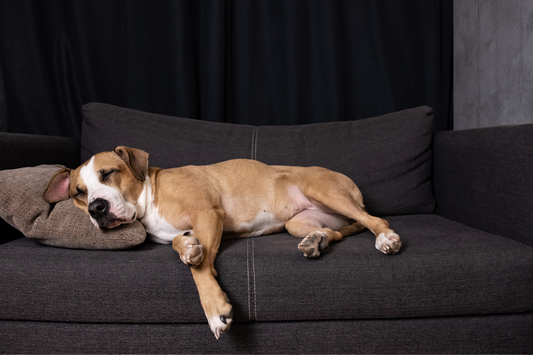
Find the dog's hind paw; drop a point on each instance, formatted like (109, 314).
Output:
(312, 245)
(388, 243)
(193, 256)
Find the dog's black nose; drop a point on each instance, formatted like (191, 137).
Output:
(98, 208)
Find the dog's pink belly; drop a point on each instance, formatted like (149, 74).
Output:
(270, 215)
(264, 223)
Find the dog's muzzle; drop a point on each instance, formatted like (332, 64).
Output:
(98, 208)
(100, 212)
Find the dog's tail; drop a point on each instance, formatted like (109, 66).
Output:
(351, 229)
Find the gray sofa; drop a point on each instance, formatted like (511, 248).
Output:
(462, 283)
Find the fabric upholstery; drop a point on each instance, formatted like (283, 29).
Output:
(388, 157)
(444, 269)
(23, 150)
(493, 334)
(171, 141)
(451, 289)
(61, 224)
(483, 179)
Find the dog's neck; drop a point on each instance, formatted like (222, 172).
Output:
(145, 198)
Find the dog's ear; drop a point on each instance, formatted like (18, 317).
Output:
(136, 159)
(58, 187)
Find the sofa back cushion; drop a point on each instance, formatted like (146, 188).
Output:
(388, 157)
(170, 141)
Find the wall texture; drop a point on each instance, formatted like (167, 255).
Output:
(493, 63)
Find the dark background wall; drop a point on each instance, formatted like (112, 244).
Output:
(493, 63)
(253, 62)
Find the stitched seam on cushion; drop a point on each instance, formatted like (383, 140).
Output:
(253, 272)
(254, 143)
(256, 140)
(248, 272)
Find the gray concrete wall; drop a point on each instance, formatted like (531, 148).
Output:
(493, 63)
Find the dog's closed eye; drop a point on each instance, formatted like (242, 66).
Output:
(79, 192)
(106, 174)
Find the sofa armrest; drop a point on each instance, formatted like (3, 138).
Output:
(483, 178)
(22, 150)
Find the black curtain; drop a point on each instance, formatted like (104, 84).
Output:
(242, 61)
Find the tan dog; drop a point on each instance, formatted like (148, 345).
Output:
(191, 207)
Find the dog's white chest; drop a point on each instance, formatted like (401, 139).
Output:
(158, 229)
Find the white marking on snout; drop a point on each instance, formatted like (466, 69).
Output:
(122, 209)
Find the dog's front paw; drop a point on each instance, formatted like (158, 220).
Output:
(388, 242)
(221, 321)
(312, 245)
(193, 255)
(220, 324)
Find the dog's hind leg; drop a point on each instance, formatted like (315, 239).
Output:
(387, 241)
(340, 195)
(318, 229)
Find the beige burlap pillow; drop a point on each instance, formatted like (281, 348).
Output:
(61, 224)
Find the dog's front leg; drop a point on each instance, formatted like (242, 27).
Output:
(215, 303)
(189, 248)
(207, 228)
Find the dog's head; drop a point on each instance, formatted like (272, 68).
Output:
(107, 186)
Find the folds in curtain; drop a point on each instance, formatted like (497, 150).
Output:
(253, 62)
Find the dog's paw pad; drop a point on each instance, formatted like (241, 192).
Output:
(191, 241)
(221, 324)
(312, 245)
(193, 256)
(388, 243)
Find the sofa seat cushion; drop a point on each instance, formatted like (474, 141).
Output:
(444, 269)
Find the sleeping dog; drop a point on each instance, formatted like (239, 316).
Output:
(192, 206)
